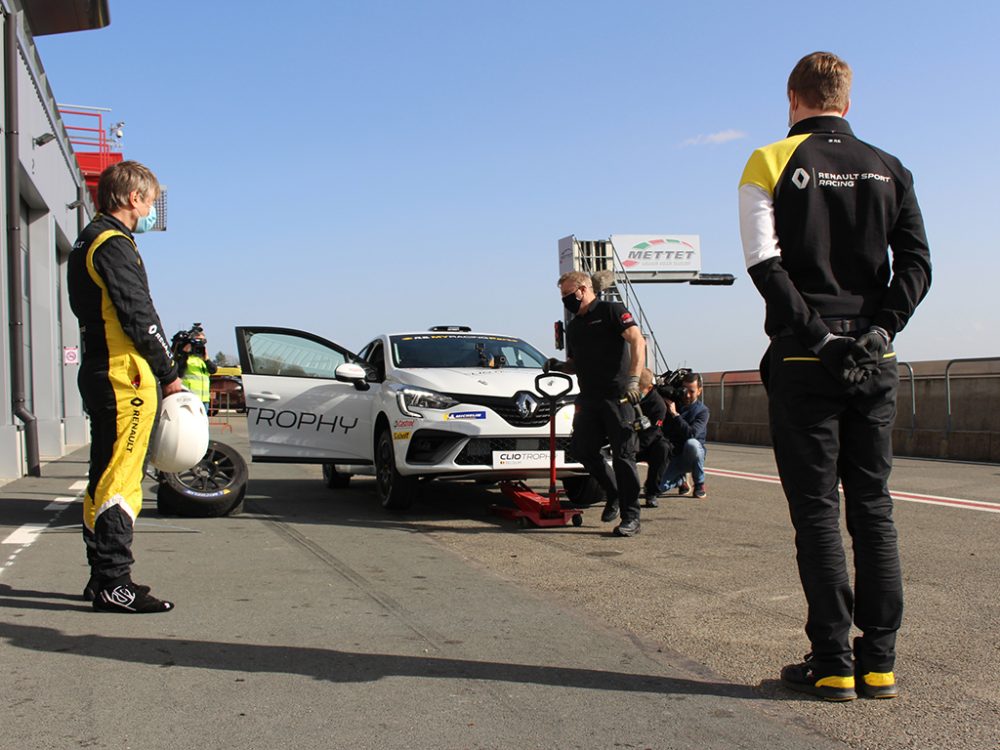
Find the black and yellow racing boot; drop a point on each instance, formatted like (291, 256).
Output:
(803, 678)
(872, 684)
(877, 684)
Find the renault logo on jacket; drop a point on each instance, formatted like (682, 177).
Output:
(526, 404)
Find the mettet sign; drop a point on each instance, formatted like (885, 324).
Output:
(645, 255)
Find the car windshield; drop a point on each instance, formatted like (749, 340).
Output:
(463, 350)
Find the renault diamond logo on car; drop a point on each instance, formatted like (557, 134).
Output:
(526, 404)
(801, 178)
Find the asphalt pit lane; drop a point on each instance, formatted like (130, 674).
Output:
(604, 553)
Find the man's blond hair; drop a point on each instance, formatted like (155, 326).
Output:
(645, 378)
(577, 277)
(120, 180)
(822, 81)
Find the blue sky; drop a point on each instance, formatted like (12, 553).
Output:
(350, 168)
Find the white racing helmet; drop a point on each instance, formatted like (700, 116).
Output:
(180, 439)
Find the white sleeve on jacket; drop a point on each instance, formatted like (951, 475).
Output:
(760, 241)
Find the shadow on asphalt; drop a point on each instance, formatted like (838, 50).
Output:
(308, 501)
(346, 666)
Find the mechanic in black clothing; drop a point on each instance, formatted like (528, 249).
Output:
(653, 446)
(686, 427)
(819, 211)
(126, 359)
(606, 351)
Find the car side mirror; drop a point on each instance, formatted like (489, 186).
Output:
(349, 372)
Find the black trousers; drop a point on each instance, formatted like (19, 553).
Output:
(656, 455)
(599, 422)
(823, 431)
(109, 547)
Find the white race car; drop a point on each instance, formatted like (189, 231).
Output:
(443, 403)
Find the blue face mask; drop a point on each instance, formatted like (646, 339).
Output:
(146, 222)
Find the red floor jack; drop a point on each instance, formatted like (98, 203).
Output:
(532, 507)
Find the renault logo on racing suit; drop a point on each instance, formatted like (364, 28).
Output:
(526, 404)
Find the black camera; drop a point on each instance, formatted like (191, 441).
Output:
(195, 336)
(670, 385)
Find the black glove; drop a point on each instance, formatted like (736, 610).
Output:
(553, 365)
(832, 356)
(865, 355)
(632, 393)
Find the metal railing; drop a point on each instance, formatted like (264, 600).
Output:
(913, 393)
(913, 397)
(221, 405)
(722, 390)
(947, 382)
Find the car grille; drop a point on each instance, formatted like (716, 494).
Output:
(479, 451)
(506, 407)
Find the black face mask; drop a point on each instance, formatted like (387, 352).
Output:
(571, 303)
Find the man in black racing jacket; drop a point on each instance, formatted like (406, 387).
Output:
(819, 211)
(126, 360)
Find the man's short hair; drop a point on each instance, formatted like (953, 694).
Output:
(646, 378)
(577, 277)
(693, 377)
(822, 81)
(120, 180)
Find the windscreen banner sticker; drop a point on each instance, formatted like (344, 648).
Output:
(525, 459)
(465, 415)
(459, 336)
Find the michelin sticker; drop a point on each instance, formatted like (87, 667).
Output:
(465, 415)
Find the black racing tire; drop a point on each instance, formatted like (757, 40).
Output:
(395, 491)
(583, 490)
(334, 479)
(214, 487)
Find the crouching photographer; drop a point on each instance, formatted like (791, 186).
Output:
(686, 427)
(193, 364)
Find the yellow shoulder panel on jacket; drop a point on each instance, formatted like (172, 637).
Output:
(118, 340)
(767, 163)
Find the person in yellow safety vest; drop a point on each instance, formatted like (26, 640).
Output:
(193, 363)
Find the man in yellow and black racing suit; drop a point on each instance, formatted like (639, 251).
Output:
(126, 361)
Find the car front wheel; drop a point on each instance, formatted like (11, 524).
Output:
(583, 490)
(334, 479)
(394, 490)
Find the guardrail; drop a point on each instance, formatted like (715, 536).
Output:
(907, 365)
(722, 390)
(947, 383)
(957, 420)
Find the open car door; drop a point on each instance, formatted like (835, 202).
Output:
(297, 410)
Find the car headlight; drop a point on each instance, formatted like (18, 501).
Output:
(412, 399)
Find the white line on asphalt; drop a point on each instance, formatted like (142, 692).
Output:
(913, 497)
(60, 503)
(744, 475)
(26, 534)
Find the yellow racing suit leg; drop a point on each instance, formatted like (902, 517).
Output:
(122, 403)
